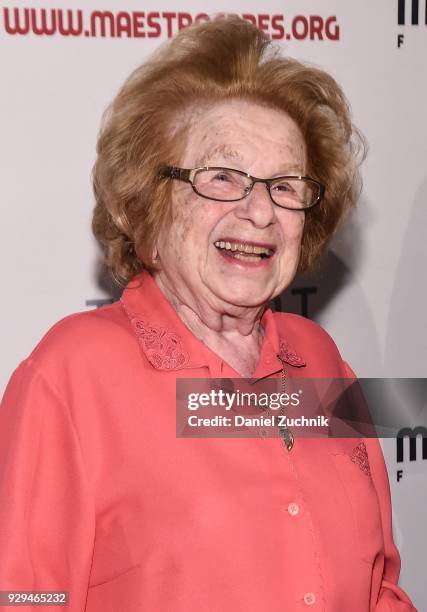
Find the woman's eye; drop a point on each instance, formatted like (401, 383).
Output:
(222, 176)
(283, 187)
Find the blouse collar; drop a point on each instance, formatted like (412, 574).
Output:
(168, 344)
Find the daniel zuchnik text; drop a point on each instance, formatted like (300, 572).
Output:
(279, 420)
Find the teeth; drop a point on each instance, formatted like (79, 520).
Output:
(247, 256)
(247, 249)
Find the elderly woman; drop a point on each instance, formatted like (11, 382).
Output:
(223, 169)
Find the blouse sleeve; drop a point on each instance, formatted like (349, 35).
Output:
(47, 511)
(391, 597)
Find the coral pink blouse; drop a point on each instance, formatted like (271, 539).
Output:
(101, 499)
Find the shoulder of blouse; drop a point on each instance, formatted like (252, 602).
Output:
(314, 345)
(302, 332)
(84, 336)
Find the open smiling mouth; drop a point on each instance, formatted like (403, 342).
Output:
(244, 250)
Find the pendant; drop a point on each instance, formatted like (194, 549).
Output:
(287, 437)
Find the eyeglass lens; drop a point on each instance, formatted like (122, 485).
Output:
(224, 184)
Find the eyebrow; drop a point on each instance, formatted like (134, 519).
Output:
(224, 150)
(290, 171)
(230, 154)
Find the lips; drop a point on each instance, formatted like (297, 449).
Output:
(246, 251)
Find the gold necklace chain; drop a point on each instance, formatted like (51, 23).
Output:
(284, 432)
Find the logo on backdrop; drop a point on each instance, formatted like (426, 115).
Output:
(412, 433)
(413, 13)
(302, 295)
(300, 304)
(97, 303)
(139, 24)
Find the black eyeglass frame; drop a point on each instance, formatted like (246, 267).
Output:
(185, 174)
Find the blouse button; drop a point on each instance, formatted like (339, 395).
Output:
(293, 509)
(309, 599)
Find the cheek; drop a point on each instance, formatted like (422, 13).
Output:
(194, 222)
(301, 226)
(182, 225)
(293, 228)
(188, 234)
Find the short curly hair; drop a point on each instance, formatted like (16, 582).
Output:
(146, 125)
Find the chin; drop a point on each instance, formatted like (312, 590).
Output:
(246, 297)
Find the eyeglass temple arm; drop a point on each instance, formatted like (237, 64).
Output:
(173, 172)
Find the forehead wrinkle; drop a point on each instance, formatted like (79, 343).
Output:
(226, 142)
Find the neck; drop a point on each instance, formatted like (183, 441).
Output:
(234, 333)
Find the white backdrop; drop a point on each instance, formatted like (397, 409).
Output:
(372, 291)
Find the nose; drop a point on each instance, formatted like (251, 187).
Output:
(257, 207)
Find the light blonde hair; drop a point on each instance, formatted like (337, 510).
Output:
(146, 125)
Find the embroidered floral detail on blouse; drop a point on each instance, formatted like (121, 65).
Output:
(162, 347)
(290, 356)
(360, 457)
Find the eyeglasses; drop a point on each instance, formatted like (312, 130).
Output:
(229, 185)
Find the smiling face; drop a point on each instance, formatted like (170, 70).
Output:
(229, 255)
